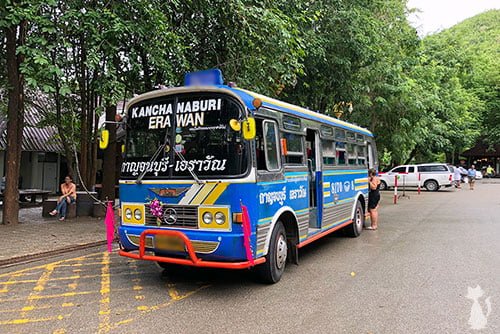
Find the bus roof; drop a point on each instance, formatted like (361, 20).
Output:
(248, 97)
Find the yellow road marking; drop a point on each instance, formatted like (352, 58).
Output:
(39, 287)
(66, 294)
(22, 272)
(104, 308)
(27, 321)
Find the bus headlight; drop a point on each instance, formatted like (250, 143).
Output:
(133, 213)
(137, 214)
(220, 218)
(208, 218)
(128, 214)
(216, 217)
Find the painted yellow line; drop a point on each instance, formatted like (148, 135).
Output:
(66, 294)
(29, 271)
(214, 196)
(39, 287)
(27, 321)
(104, 308)
(203, 193)
(146, 309)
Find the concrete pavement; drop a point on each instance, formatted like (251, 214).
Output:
(36, 237)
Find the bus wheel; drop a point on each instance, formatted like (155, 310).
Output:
(272, 270)
(354, 229)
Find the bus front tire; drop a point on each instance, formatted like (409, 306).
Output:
(271, 271)
(354, 230)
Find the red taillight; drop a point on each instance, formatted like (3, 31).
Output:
(449, 178)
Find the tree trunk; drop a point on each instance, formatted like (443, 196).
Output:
(109, 159)
(15, 37)
(82, 71)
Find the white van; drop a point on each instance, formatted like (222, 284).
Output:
(432, 176)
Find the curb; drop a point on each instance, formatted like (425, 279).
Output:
(37, 256)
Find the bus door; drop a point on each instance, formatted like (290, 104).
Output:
(315, 179)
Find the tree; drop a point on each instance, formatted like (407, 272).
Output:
(15, 28)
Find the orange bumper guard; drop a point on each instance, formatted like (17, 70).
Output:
(193, 259)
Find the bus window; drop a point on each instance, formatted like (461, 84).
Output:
(351, 137)
(271, 146)
(340, 134)
(295, 150)
(351, 154)
(340, 152)
(328, 150)
(361, 155)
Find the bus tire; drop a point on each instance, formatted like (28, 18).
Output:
(354, 230)
(270, 272)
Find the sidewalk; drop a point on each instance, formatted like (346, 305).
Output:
(36, 236)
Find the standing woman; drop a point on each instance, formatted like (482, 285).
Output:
(373, 198)
(68, 190)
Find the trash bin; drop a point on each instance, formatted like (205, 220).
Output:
(85, 203)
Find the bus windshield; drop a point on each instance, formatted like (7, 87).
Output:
(185, 134)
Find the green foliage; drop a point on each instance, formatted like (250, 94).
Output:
(423, 99)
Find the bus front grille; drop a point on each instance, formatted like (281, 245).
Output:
(185, 216)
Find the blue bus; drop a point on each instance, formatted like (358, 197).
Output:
(222, 177)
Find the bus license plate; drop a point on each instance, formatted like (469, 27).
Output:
(165, 242)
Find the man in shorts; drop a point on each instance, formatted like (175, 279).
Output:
(471, 174)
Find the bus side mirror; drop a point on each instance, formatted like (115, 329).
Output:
(249, 129)
(104, 139)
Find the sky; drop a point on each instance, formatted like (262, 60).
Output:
(437, 15)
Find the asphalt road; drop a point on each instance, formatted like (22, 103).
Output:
(410, 276)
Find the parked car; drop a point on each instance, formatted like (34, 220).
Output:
(433, 176)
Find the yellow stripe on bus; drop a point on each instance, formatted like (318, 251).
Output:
(215, 194)
(203, 193)
(361, 180)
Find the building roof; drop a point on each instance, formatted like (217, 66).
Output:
(483, 150)
(35, 137)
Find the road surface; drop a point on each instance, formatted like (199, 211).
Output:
(410, 276)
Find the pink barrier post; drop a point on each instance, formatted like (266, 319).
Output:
(419, 183)
(395, 189)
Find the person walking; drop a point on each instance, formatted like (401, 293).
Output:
(68, 190)
(490, 172)
(457, 176)
(471, 173)
(373, 198)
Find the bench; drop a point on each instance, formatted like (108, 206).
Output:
(50, 205)
(33, 193)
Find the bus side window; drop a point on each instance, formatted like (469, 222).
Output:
(259, 146)
(273, 162)
(267, 149)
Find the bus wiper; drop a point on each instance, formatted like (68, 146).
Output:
(195, 177)
(153, 158)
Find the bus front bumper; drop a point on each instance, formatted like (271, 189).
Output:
(193, 260)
